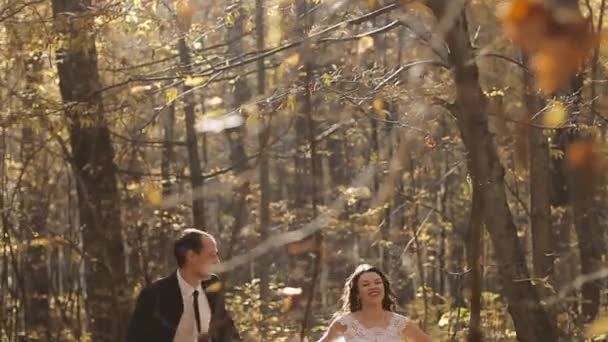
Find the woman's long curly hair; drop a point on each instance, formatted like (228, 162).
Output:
(351, 301)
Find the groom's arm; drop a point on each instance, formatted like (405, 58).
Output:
(222, 327)
(141, 318)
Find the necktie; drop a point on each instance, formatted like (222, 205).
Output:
(197, 314)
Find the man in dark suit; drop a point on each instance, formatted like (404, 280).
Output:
(188, 305)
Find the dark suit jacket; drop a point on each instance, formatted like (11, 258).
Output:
(159, 308)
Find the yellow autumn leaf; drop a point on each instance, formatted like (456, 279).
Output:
(293, 59)
(327, 80)
(184, 12)
(213, 114)
(287, 304)
(39, 242)
(274, 28)
(215, 287)
(417, 6)
(191, 81)
(556, 115)
(604, 43)
(253, 123)
(214, 101)
(171, 94)
(249, 108)
(372, 4)
(281, 71)
(291, 102)
(379, 105)
(153, 194)
(140, 89)
(291, 291)
(365, 43)
(598, 327)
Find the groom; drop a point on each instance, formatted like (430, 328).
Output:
(188, 305)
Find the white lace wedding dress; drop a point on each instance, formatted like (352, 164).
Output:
(356, 332)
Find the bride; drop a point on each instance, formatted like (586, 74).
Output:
(367, 313)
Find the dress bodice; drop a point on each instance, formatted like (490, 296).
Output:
(357, 332)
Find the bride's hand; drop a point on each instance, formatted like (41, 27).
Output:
(412, 333)
(336, 329)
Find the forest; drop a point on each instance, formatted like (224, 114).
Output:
(459, 145)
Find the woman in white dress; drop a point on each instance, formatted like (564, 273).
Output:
(367, 313)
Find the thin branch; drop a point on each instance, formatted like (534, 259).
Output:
(506, 58)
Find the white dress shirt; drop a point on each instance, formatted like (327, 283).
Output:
(186, 329)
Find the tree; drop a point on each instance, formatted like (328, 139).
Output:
(92, 159)
(531, 321)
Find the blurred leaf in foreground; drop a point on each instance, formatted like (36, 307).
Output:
(558, 39)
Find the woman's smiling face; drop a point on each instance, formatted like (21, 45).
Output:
(371, 288)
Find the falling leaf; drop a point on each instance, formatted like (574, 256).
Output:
(153, 194)
(558, 47)
(140, 89)
(598, 327)
(274, 27)
(365, 43)
(287, 304)
(429, 141)
(578, 154)
(291, 291)
(253, 123)
(584, 156)
(327, 80)
(525, 23)
(39, 242)
(193, 81)
(214, 101)
(215, 123)
(171, 94)
(372, 4)
(378, 105)
(215, 287)
(559, 60)
(306, 245)
(291, 102)
(556, 115)
(184, 11)
(418, 6)
(293, 60)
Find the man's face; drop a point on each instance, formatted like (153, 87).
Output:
(202, 262)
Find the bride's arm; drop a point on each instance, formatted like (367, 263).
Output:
(335, 330)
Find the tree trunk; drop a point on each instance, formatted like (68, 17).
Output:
(474, 248)
(318, 236)
(303, 175)
(240, 92)
(590, 243)
(34, 211)
(108, 298)
(264, 168)
(194, 164)
(168, 152)
(589, 232)
(299, 263)
(543, 239)
(531, 321)
(575, 190)
(163, 238)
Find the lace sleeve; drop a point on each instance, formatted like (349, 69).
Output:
(343, 320)
(402, 322)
